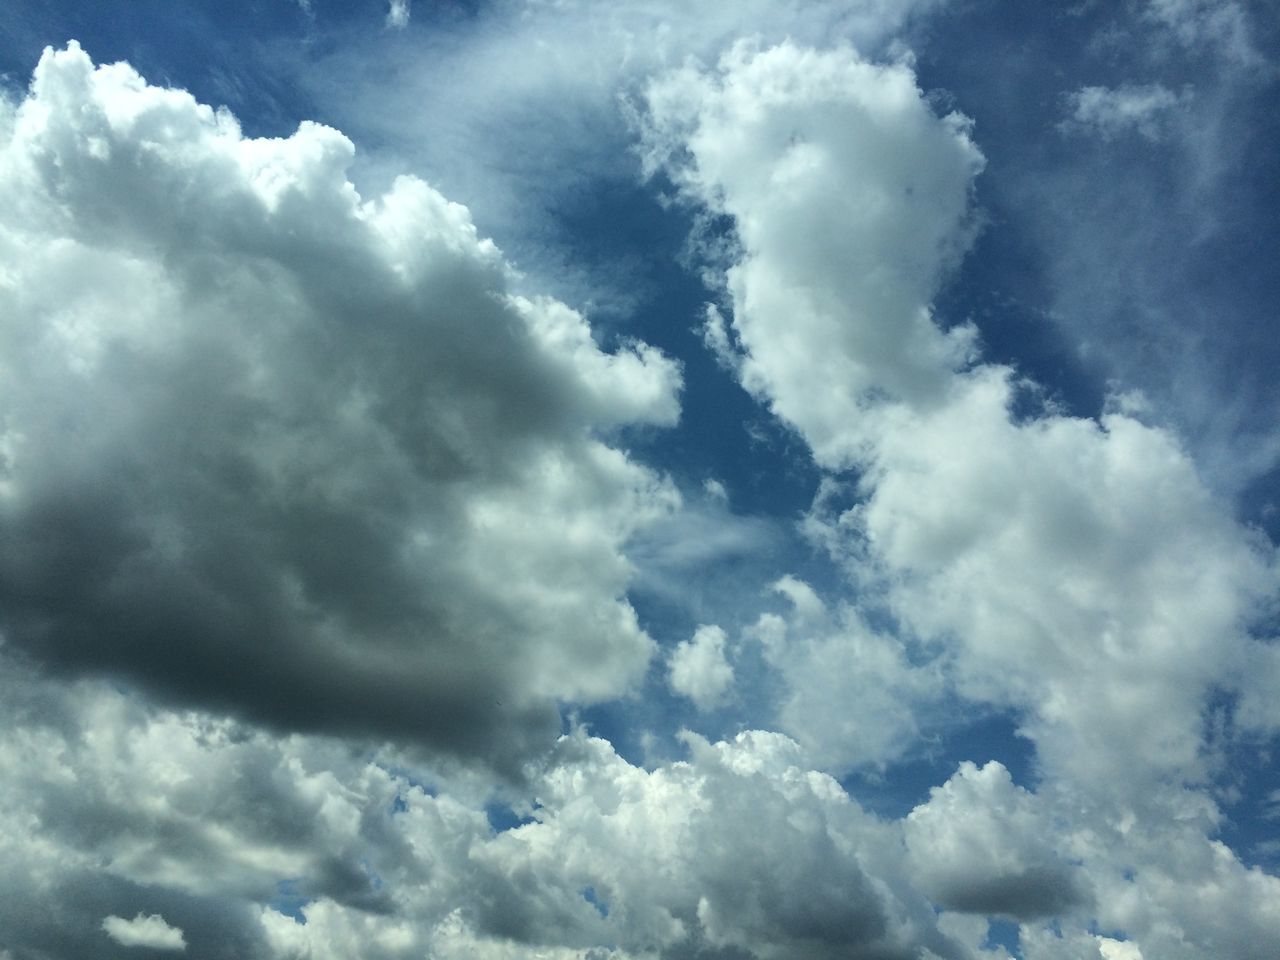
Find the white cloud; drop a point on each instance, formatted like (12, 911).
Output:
(1118, 949)
(983, 845)
(740, 847)
(1077, 572)
(850, 201)
(850, 694)
(1221, 24)
(259, 431)
(1111, 111)
(144, 931)
(398, 14)
(1052, 565)
(110, 806)
(698, 669)
(513, 109)
(264, 434)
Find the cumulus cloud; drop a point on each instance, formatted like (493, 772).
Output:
(984, 845)
(850, 199)
(513, 108)
(699, 670)
(1076, 570)
(233, 835)
(144, 931)
(274, 447)
(1082, 569)
(851, 694)
(279, 462)
(739, 850)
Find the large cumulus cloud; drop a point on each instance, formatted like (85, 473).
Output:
(1074, 571)
(255, 845)
(272, 446)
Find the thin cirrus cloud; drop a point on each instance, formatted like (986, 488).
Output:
(344, 613)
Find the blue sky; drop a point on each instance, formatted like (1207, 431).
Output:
(612, 480)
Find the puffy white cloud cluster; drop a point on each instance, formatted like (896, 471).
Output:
(213, 834)
(245, 844)
(287, 459)
(274, 447)
(1077, 572)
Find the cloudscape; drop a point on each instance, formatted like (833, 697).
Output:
(575, 480)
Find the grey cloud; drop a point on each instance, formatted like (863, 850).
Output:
(737, 852)
(984, 845)
(278, 450)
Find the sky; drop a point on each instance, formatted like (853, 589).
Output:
(582, 480)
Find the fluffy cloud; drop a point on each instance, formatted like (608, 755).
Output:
(513, 108)
(144, 931)
(849, 198)
(274, 447)
(1073, 569)
(230, 834)
(698, 668)
(983, 845)
(1077, 570)
(738, 851)
(852, 695)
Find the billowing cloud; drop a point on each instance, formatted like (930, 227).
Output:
(1076, 572)
(313, 513)
(272, 446)
(849, 197)
(234, 836)
(983, 845)
(1073, 569)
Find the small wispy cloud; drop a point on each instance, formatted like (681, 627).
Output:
(1110, 111)
(398, 14)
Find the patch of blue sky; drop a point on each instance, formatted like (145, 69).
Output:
(978, 735)
(289, 900)
(1002, 933)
